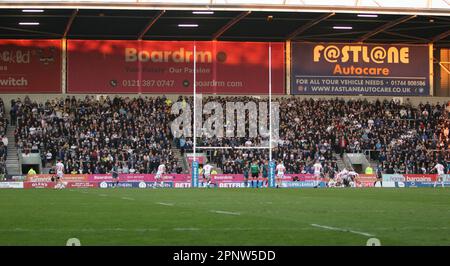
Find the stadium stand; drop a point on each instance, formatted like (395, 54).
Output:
(401, 137)
(3, 139)
(91, 135)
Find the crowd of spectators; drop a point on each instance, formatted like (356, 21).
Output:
(3, 139)
(90, 135)
(401, 137)
(298, 147)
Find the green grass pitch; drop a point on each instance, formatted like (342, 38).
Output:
(417, 216)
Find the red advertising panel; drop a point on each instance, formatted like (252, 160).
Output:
(39, 184)
(168, 67)
(367, 180)
(30, 66)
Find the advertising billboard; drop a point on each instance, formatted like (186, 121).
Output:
(107, 66)
(30, 66)
(354, 69)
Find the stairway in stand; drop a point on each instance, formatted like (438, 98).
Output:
(12, 160)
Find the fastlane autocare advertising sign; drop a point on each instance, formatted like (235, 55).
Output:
(367, 69)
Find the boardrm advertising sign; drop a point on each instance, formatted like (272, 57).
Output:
(353, 69)
(30, 66)
(168, 67)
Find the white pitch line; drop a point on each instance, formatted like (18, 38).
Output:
(225, 212)
(78, 229)
(127, 198)
(341, 230)
(186, 229)
(295, 229)
(165, 204)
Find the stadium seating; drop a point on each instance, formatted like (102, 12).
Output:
(91, 135)
(3, 148)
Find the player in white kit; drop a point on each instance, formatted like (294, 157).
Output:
(353, 178)
(159, 175)
(59, 169)
(440, 171)
(317, 167)
(341, 178)
(331, 183)
(280, 169)
(207, 174)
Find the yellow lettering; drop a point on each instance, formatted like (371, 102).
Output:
(316, 53)
(404, 55)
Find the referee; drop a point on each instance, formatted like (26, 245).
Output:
(254, 169)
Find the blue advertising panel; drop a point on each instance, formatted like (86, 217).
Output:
(107, 184)
(272, 174)
(393, 178)
(163, 184)
(353, 69)
(194, 174)
(303, 184)
(446, 178)
(426, 184)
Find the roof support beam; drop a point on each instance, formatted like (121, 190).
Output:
(170, 5)
(441, 36)
(31, 31)
(407, 36)
(150, 24)
(69, 23)
(308, 25)
(230, 24)
(385, 27)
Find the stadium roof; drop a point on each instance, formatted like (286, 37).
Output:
(400, 21)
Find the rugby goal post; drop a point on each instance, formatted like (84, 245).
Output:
(195, 163)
